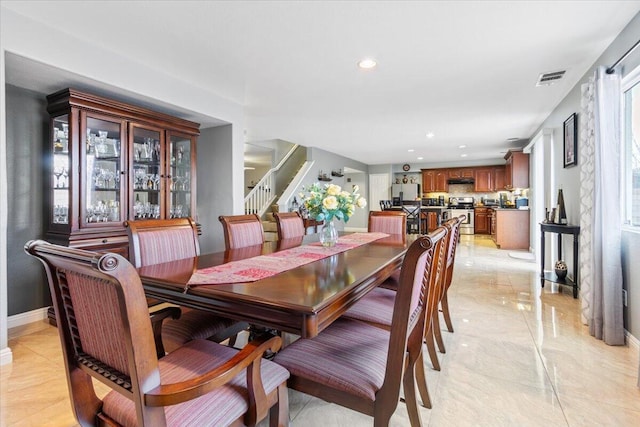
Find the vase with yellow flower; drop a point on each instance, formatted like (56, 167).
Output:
(328, 202)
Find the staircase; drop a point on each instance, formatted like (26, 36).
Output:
(283, 180)
(269, 225)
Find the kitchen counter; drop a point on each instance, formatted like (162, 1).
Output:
(511, 228)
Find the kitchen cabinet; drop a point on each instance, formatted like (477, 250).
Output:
(461, 173)
(516, 170)
(432, 221)
(483, 180)
(435, 181)
(489, 179)
(481, 218)
(107, 162)
(498, 178)
(511, 228)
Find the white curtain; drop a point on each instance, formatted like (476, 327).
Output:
(600, 253)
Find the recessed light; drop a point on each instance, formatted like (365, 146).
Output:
(367, 63)
(420, 158)
(430, 135)
(462, 146)
(411, 150)
(463, 155)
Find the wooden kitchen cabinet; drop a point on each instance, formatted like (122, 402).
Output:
(435, 181)
(461, 173)
(511, 228)
(107, 162)
(483, 180)
(498, 178)
(481, 218)
(516, 170)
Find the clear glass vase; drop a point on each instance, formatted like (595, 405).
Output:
(328, 234)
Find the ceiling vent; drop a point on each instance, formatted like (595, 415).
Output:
(547, 79)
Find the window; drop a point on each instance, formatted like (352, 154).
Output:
(631, 150)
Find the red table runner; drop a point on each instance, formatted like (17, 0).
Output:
(256, 268)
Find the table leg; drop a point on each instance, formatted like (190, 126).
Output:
(575, 266)
(542, 258)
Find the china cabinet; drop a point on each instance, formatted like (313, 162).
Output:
(108, 162)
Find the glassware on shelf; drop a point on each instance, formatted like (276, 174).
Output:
(57, 172)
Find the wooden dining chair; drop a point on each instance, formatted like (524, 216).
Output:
(390, 222)
(362, 367)
(157, 241)
(454, 223)
(242, 230)
(414, 221)
(106, 336)
(377, 307)
(289, 224)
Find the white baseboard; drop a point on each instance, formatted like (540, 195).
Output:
(27, 317)
(6, 356)
(631, 340)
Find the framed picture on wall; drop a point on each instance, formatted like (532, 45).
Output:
(571, 141)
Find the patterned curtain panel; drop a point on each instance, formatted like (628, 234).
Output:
(600, 254)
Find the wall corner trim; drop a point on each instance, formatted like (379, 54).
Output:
(6, 356)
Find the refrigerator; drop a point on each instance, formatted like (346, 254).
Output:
(405, 191)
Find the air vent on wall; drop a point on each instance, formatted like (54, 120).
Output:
(546, 79)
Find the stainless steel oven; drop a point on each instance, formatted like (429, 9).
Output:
(467, 226)
(462, 206)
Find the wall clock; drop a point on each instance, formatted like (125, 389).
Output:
(406, 167)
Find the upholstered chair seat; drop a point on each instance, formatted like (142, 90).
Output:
(221, 408)
(362, 366)
(107, 337)
(332, 359)
(157, 241)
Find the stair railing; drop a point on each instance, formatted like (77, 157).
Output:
(263, 194)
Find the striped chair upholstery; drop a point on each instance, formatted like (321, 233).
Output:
(361, 366)
(377, 307)
(157, 241)
(390, 222)
(242, 230)
(107, 336)
(290, 225)
(454, 232)
(395, 224)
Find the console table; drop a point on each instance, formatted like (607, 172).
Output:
(560, 229)
(312, 223)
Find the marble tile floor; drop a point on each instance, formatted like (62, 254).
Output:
(519, 357)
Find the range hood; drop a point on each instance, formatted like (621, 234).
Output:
(461, 181)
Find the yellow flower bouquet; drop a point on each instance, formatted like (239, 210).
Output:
(329, 201)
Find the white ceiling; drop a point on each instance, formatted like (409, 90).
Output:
(464, 70)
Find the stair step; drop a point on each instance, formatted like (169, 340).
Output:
(270, 226)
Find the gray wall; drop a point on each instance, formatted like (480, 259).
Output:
(326, 162)
(27, 130)
(214, 185)
(569, 179)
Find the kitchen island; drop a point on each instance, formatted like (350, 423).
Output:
(510, 228)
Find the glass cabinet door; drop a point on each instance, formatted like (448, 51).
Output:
(103, 186)
(180, 176)
(60, 170)
(147, 176)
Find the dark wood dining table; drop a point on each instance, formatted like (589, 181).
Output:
(303, 300)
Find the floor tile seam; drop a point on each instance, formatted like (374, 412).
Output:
(546, 369)
(600, 401)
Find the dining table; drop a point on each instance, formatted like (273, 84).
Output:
(301, 300)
